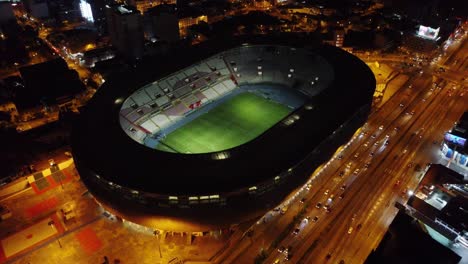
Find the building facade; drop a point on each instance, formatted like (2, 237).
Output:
(125, 26)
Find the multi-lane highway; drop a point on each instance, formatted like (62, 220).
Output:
(360, 184)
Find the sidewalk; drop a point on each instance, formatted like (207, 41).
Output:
(34, 235)
(87, 237)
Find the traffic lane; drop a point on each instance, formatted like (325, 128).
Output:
(376, 224)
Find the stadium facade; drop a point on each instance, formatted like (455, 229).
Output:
(329, 94)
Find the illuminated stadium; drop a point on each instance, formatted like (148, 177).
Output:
(220, 133)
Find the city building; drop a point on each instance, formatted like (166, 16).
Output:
(163, 23)
(455, 146)
(125, 26)
(439, 203)
(47, 84)
(338, 37)
(94, 11)
(144, 5)
(121, 143)
(189, 16)
(37, 8)
(91, 57)
(6, 12)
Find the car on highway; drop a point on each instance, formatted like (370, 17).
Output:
(397, 182)
(381, 127)
(281, 249)
(341, 173)
(356, 155)
(326, 192)
(350, 230)
(277, 261)
(367, 165)
(341, 196)
(303, 200)
(296, 231)
(315, 219)
(356, 171)
(343, 187)
(308, 186)
(284, 209)
(318, 206)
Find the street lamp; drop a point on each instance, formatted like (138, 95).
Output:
(156, 234)
(51, 223)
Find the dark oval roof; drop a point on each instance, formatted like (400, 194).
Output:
(100, 144)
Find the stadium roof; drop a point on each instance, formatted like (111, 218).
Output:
(101, 145)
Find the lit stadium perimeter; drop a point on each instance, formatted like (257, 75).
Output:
(127, 155)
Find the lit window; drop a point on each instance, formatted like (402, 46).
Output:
(253, 188)
(214, 196)
(173, 198)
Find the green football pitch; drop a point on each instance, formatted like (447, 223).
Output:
(232, 123)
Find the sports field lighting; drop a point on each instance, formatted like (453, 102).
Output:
(221, 155)
(118, 101)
